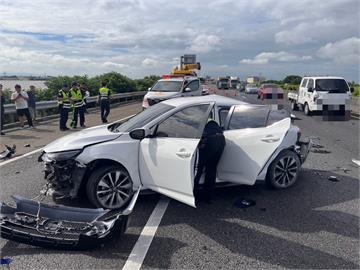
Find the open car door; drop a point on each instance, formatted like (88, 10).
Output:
(166, 160)
(249, 143)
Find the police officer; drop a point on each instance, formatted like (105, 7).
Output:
(64, 106)
(211, 148)
(76, 98)
(104, 100)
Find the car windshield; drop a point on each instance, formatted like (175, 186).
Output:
(224, 81)
(142, 118)
(167, 86)
(332, 85)
(251, 85)
(234, 81)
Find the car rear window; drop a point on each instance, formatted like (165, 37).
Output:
(248, 117)
(276, 116)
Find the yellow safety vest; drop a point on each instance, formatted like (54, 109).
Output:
(77, 95)
(104, 92)
(66, 100)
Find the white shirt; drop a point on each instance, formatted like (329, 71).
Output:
(20, 103)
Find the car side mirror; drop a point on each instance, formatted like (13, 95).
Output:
(149, 88)
(138, 134)
(310, 89)
(187, 89)
(352, 89)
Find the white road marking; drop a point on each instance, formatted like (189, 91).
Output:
(19, 157)
(357, 162)
(142, 245)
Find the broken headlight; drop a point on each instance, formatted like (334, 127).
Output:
(60, 156)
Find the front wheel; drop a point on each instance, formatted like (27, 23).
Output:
(109, 187)
(283, 171)
(294, 106)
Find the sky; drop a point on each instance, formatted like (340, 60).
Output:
(142, 37)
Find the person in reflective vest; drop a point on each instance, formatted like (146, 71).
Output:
(64, 106)
(76, 98)
(211, 147)
(104, 100)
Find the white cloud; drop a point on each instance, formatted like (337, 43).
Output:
(150, 62)
(205, 43)
(346, 51)
(266, 57)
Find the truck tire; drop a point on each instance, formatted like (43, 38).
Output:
(294, 106)
(307, 109)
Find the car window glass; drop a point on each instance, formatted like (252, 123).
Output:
(304, 83)
(223, 112)
(276, 116)
(248, 117)
(186, 123)
(194, 85)
(310, 83)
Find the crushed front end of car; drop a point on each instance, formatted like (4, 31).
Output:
(63, 173)
(62, 227)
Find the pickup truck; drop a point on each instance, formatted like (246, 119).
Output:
(318, 94)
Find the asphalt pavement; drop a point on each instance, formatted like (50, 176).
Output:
(313, 225)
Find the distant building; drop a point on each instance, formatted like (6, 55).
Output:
(255, 79)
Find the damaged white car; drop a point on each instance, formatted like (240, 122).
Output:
(157, 149)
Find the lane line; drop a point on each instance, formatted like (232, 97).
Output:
(38, 150)
(19, 157)
(143, 243)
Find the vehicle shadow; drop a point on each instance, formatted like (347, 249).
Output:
(265, 232)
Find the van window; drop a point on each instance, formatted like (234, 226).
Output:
(332, 85)
(304, 83)
(311, 83)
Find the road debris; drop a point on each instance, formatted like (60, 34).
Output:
(333, 178)
(27, 145)
(244, 203)
(8, 152)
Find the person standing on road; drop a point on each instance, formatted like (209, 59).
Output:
(77, 100)
(21, 98)
(64, 106)
(211, 148)
(104, 100)
(32, 102)
(2, 117)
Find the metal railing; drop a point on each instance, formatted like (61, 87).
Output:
(115, 98)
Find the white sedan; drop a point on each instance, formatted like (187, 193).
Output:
(157, 149)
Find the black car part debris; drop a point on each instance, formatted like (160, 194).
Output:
(8, 152)
(62, 227)
(333, 178)
(244, 203)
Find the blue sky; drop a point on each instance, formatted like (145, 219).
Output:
(137, 38)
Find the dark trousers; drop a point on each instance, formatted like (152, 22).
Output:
(85, 106)
(2, 118)
(209, 156)
(78, 111)
(64, 115)
(26, 112)
(105, 109)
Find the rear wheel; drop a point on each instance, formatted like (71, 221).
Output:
(109, 187)
(294, 106)
(307, 109)
(284, 170)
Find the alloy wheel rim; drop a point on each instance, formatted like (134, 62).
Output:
(285, 171)
(114, 189)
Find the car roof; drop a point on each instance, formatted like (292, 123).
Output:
(219, 100)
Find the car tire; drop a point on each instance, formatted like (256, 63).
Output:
(109, 187)
(294, 106)
(307, 109)
(284, 170)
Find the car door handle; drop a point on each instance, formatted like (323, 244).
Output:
(183, 153)
(270, 139)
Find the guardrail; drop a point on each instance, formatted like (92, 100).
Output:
(115, 98)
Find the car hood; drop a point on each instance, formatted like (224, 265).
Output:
(80, 139)
(162, 95)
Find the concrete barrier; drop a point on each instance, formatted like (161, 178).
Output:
(45, 109)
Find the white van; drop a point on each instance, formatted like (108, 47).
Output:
(172, 87)
(321, 93)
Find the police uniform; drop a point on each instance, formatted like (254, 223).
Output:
(64, 108)
(104, 95)
(211, 148)
(78, 107)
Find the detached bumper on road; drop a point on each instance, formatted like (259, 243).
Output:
(62, 227)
